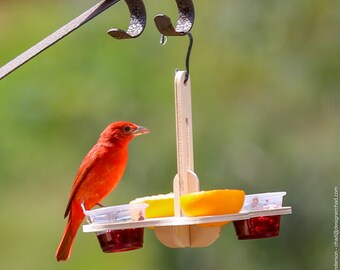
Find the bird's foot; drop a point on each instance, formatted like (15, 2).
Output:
(100, 205)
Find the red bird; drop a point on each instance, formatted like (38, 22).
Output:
(98, 175)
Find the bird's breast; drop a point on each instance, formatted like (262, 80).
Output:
(102, 177)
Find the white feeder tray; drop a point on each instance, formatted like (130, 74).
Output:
(182, 221)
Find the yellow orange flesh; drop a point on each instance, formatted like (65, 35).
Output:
(159, 205)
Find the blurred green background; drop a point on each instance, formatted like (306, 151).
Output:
(265, 86)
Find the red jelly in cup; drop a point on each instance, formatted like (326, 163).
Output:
(263, 226)
(119, 240)
(258, 227)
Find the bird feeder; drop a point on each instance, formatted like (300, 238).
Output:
(259, 217)
(180, 231)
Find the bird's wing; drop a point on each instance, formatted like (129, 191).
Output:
(84, 168)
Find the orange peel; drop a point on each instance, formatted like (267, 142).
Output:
(211, 203)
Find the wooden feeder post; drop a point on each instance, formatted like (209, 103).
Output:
(186, 180)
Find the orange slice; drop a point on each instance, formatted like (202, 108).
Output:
(161, 205)
(212, 202)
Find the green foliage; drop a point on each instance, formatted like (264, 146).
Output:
(265, 84)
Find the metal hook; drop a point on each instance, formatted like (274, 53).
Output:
(185, 21)
(137, 21)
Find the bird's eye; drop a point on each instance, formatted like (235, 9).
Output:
(127, 128)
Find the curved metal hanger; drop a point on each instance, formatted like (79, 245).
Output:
(185, 21)
(137, 21)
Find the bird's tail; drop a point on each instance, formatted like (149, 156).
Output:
(65, 246)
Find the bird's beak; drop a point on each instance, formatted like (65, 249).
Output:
(140, 131)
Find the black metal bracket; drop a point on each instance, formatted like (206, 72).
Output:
(137, 21)
(185, 21)
(186, 15)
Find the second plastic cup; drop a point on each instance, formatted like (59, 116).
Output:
(264, 226)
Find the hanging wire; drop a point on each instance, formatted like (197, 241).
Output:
(187, 59)
(163, 41)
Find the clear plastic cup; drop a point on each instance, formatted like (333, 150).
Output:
(263, 201)
(123, 239)
(119, 213)
(264, 226)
